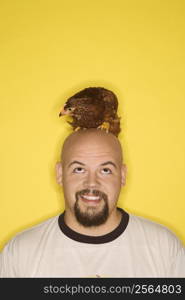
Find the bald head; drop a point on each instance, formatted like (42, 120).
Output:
(92, 141)
(92, 165)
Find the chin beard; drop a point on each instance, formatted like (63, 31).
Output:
(91, 217)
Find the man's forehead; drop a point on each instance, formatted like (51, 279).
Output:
(96, 141)
(91, 142)
(92, 150)
(91, 156)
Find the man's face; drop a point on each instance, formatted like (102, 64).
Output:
(92, 176)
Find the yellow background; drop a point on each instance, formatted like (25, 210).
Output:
(52, 49)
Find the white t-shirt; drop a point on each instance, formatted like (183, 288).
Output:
(136, 248)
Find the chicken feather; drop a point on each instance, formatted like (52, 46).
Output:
(92, 108)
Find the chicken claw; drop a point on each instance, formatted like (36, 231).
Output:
(77, 128)
(104, 125)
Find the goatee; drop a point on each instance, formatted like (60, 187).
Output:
(91, 217)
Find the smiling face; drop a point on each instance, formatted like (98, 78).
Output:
(91, 174)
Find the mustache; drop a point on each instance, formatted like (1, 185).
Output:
(91, 191)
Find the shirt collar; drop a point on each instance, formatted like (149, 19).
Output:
(109, 237)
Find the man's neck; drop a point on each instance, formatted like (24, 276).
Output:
(112, 222)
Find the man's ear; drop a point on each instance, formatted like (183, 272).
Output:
(123, 174)
(58, 168)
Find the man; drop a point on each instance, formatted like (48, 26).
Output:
(93, 237)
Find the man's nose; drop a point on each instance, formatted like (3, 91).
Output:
(91, 181)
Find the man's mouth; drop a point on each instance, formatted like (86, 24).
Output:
(92, 199)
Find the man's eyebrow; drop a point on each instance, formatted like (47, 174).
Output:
(109, 162)
(104, 164)
(76, 162)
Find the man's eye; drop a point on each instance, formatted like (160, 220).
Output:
(78, 170)
(106, 171)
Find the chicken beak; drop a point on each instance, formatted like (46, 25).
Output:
(63, 112)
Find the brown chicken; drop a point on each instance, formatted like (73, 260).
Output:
(93, 107)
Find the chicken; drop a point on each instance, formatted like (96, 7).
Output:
(93, 107)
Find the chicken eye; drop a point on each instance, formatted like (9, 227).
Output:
(106, 171)
(78, 170)
(69, 108)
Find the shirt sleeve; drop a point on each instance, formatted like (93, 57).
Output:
(177, 268)
(8, 261)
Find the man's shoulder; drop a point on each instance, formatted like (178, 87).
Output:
(147, 223)
(30, 235)
(153, 231)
